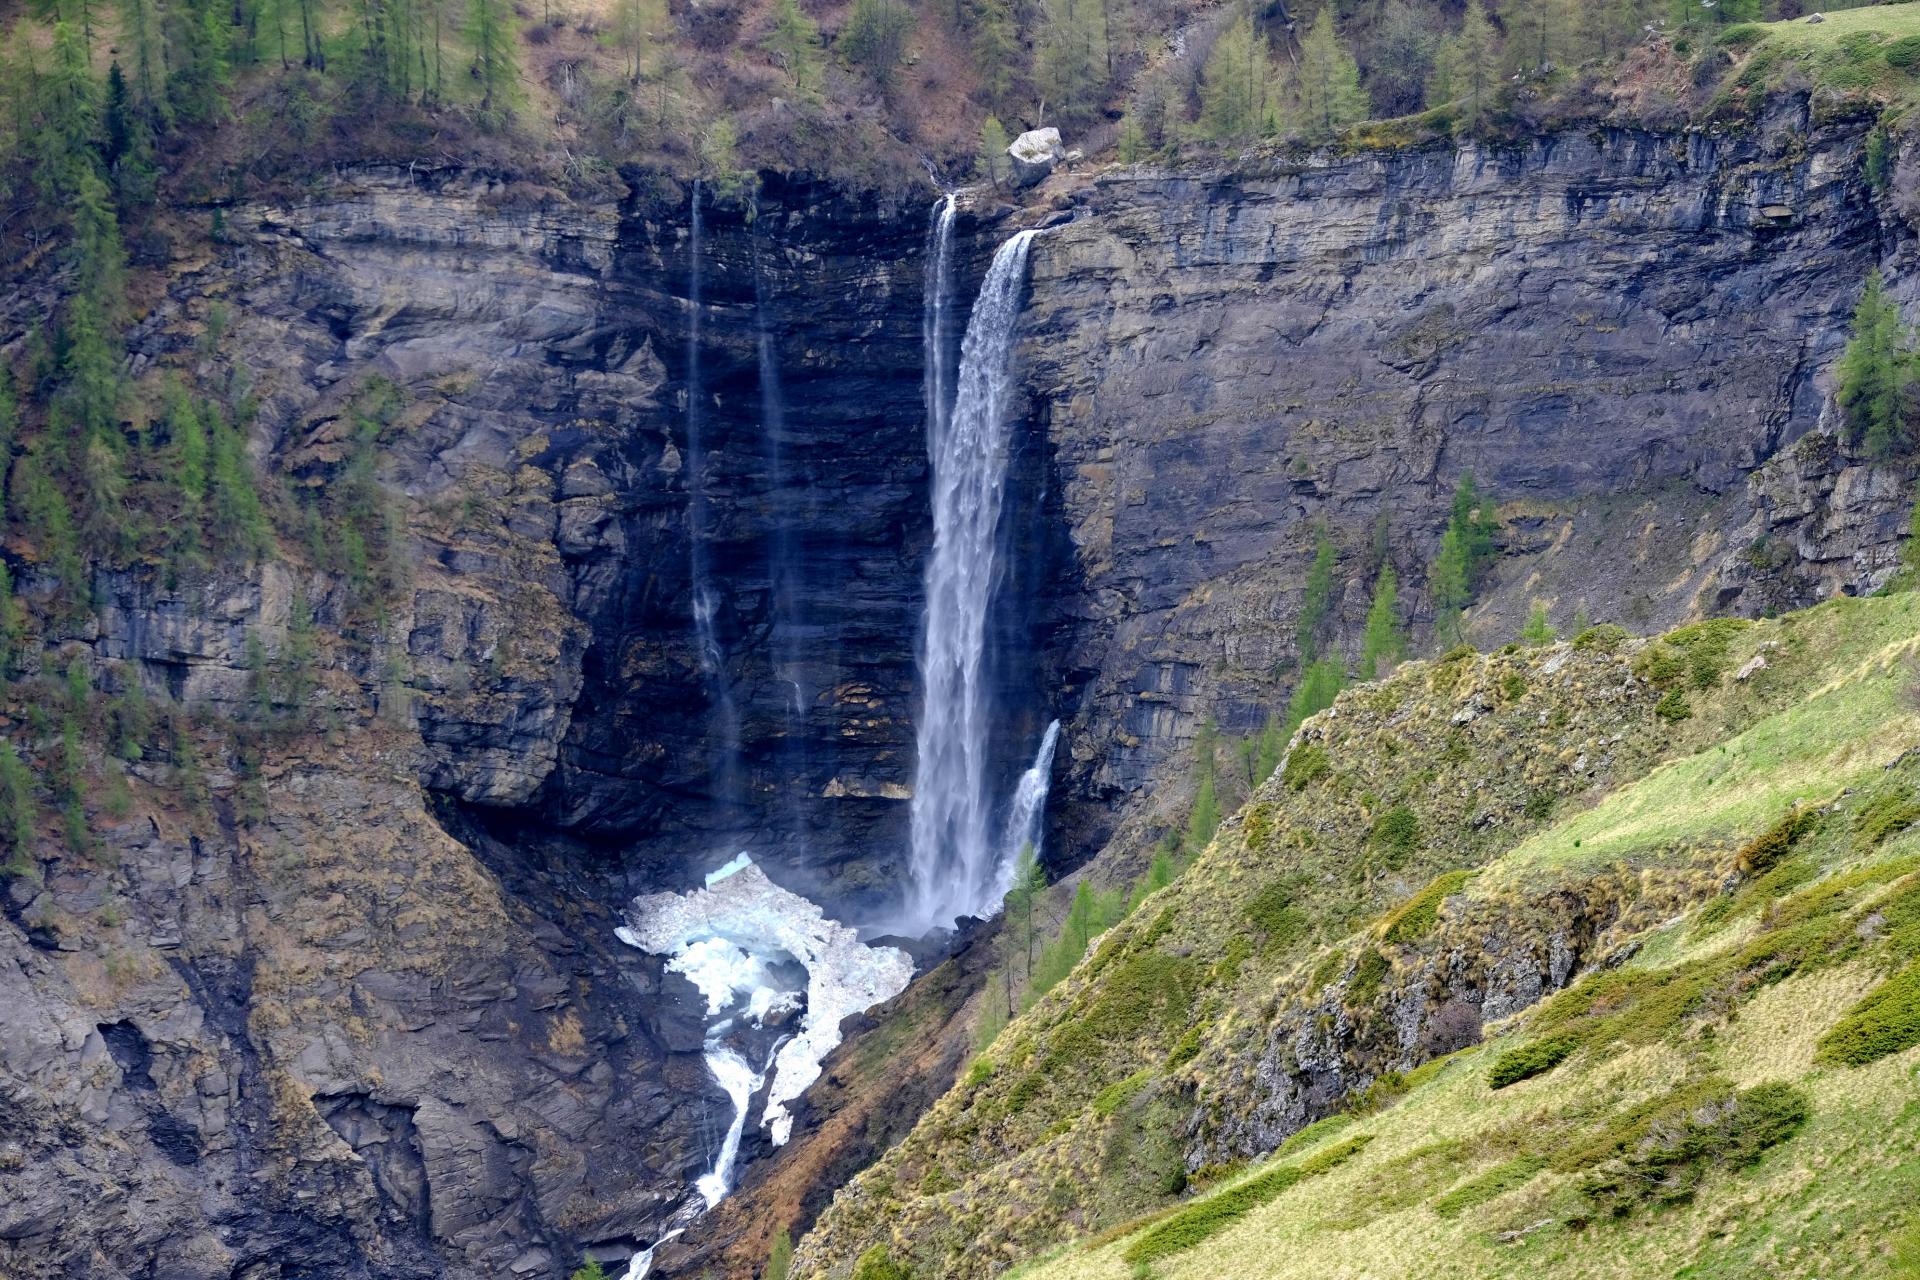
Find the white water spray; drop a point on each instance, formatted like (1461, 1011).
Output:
(953, 860)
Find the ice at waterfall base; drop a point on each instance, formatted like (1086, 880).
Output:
(730, 937)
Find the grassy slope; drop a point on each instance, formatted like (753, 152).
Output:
(1042, 1146)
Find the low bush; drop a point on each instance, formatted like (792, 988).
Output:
(1532, 1059)
(877, 1264)
(1417, 916)
(1120, 1093)
(1273, 914)
(1904, 53)
(1764, 850)
(1496, 1181)
(1204, 1219)
(1396, 834)
(1673, 707)
(1886, 1021)
(1888, 814)
(1368, 974)
(1677, 1144)
(1305, 766)
(1604, 638)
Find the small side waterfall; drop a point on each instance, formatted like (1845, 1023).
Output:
(782, 575)
(935, 316)
(953, 859)
(1026, 816)
(706, 599)
(741, 1082)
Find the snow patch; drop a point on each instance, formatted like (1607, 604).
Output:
(725, 936)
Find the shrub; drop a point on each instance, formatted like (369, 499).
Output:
(1660, 665)
(1305, 766)
(1539, 806)
(1886, 1021)
(1741, 35)
(1771, 845)
(1204, 1219)
(1679, 1143)
(1887, 814)
(877, 1264)
(1273, 913)
(1418, 915)
(1673, 707)
(1530, 1060)
(1904, 53)
(1496, 1181)
(1121, 1092)
(1185, 1049)
(1604, 638)
(1396, 834)
(1368, 974)
(591, 1270)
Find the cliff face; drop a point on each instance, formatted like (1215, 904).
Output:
(360, 1011)
(1603, 327)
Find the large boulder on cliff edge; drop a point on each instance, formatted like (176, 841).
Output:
(1034, 154)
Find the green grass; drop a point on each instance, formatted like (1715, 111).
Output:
(1849, 717)
(1207, 1218)
(1870, 52)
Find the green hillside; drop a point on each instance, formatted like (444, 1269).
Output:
(1679, 878)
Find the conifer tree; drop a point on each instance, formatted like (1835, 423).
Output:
(1538, 630)
(1876, 373)
(1235, 83)
(1317, 603)
(1468, 68)
(1315, 691)
(18, 813)
(1383, 643)
(495, 58)
(992, 160)
(794, 41)
(875, 37)
(1327, 82)
(994, 52)
(1067, 63)
(779, 1256)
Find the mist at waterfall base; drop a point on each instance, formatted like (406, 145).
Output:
(957, 866)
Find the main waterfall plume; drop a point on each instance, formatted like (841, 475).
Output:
(954, 862)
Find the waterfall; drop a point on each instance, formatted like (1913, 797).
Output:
(935, 309)
(782, 580)
(741, 1082)
(952, 860)
(706, 601)
(1025, 817)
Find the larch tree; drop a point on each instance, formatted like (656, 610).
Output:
(794, 42)
(1234, 84)
(992, 158)
(1327, 83)
(1068, 65)
(495, 58)
(1468, 69)
(1876, 372)
(1382, 643)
